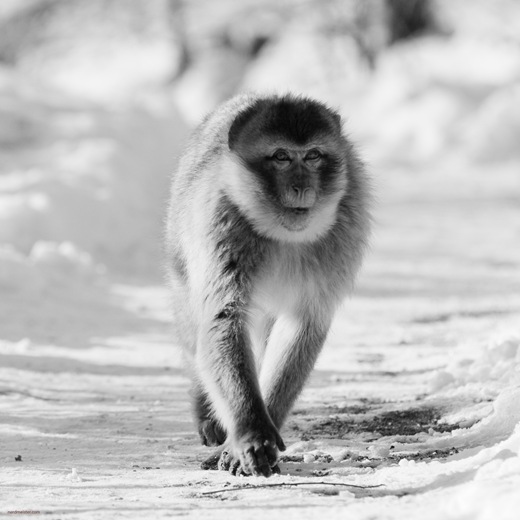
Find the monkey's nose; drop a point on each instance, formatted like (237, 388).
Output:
(298, 197)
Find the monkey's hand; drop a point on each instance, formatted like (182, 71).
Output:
(254, 453)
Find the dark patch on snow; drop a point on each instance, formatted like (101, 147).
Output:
(405, 422)
(327, 410)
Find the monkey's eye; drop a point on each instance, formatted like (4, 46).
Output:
(312, 155)
(281, 155)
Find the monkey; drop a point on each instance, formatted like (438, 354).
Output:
(268, 221)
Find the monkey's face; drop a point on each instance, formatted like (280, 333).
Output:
(293, 167)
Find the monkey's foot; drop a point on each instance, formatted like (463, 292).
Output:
(223, 461)
(211, 434)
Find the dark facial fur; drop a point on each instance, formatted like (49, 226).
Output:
(292, 118)
(295, 149)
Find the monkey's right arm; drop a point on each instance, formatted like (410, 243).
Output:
(226, 366)
(224, 357)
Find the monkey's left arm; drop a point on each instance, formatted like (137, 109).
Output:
(294, 345)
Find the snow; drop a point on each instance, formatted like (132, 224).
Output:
(414, 403)
(104, 193)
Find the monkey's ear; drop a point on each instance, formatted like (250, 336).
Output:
(239, 123)
(237, 127)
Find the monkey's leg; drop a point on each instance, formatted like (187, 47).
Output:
(226, 366)
(211, 433)
(292, 351)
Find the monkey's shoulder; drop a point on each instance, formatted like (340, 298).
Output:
(209, 139)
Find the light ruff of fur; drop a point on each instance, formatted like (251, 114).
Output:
(246, 194)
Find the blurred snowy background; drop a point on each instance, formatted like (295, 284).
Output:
(96, 100)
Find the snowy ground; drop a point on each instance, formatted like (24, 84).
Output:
(413, 410)
(417, 391)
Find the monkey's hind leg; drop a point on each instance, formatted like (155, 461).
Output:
(210, 431)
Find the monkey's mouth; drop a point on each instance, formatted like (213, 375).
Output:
(298, 211)
(295, 219)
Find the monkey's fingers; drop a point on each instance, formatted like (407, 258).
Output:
(257, 461)
(280, 443)
(235, 467)
(271, 450)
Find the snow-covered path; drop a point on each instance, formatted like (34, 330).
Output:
(417, 391)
